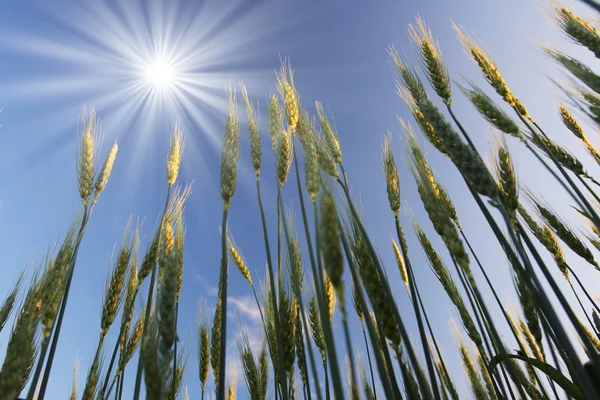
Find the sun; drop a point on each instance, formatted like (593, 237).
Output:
(161, 74)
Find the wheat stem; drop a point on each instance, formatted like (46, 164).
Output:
(71, 268)
(589, 297)
(580, 199)
(381, 365)
(271, 279)
(541, 295)
(396, 315)
(110, 366)
(478, 311)
(221, 388)
(325, 320)
(369, 359)
(412, 284)
(149, 300)
(313, 267)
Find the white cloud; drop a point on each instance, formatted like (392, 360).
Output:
(207, 289)
(247, 308)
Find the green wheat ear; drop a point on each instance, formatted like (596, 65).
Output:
(255, 148)
(21, 347)
(577, 28)
(431, 59)
(9, 302)
(86, 157)
(250, 367)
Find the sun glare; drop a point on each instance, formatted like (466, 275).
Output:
(160, 74)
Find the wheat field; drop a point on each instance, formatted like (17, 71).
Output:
(322, 264)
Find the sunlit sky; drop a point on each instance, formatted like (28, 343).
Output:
(60, 56)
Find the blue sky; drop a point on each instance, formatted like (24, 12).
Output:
(61, 56)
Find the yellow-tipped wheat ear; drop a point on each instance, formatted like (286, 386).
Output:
(284, 156)
(331, 137)
(113, 295)
(591, 335)
(547, 239)
(93, 376)
(238, 260)
(175, 151)
(475, 382)
(407, 79)
(577, 28)
(426, 129)
(423, 165)
(572, 125)
(390, 170)
(490, 71)
(431, 59)
(230, 153)
(287, 91)
(104, 174)
(447, 380)
(487, 378)
(330, 296)
(134, 338)
(255, 150)
(316, 328)
(507, 180)
(468, 162)
(86, 157)
(529, 307)
(73, 395)
(437, 209)
(530, 340)
(400, 262)
(358, 306)
(564, 232)
(231, 389)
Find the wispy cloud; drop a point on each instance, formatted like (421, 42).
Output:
(246, 306)
(207, 289)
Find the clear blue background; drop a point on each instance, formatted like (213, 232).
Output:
(57, 57)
